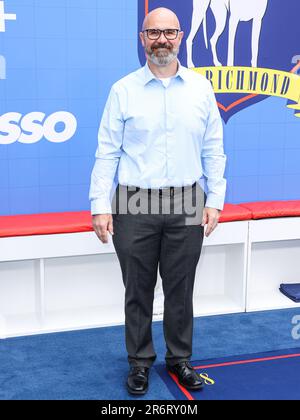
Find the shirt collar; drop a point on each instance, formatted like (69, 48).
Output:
(150, 76)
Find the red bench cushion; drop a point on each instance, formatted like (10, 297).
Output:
(81, 221)
(266, 209)
(45, 223)
(234, 212)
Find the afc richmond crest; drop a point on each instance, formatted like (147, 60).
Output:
(248, 49)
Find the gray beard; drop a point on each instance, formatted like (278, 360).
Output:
(163, 60)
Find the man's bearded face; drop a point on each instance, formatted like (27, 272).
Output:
(162, 53)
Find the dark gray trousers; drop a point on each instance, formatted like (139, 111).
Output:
(144, 243)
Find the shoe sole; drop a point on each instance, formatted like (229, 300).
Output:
(132, 392)
(192, 388)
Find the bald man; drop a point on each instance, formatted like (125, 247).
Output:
(161, 133)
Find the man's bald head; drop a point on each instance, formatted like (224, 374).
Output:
(161, 17)
(161, 51)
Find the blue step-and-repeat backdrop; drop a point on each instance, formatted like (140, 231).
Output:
(59, 58)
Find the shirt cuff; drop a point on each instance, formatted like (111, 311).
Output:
(214, 201)
(99, 206)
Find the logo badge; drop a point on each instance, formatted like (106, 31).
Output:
(248, 50)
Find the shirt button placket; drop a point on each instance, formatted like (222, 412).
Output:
(169, 146)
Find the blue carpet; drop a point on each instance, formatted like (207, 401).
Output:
(256, 376)
(92, 364)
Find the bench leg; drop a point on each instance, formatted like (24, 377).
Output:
(40, 290)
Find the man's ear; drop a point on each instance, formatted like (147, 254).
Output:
(142, 38)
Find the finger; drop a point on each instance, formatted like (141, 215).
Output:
(102, 232)
(110, 227)
(204, 219)
(208, 230)
(98, 233)
(211, 226)
(103, 235)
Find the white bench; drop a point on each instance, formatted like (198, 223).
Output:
(68, 281)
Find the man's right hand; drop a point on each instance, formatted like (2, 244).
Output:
(103, 223)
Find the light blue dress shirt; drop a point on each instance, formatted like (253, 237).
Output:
(155, 135)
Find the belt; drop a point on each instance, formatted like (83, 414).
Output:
(160, 190)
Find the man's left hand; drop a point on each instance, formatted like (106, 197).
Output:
(210, 217)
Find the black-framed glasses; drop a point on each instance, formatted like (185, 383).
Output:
(155, 34)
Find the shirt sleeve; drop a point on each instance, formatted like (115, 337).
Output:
(108, 153)
(213, 159)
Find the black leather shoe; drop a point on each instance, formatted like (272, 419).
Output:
(186, 375)
(137, 381)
